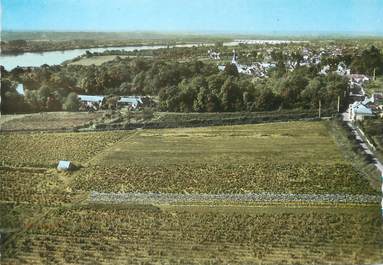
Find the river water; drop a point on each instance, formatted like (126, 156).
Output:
(57, 57)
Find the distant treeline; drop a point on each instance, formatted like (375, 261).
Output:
(35, 41)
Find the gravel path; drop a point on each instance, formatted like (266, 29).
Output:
(167, 198)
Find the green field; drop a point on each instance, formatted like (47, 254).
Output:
(291, 157)
(96, 60)
(47, 217)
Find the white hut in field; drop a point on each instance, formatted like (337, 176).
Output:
(65, 165)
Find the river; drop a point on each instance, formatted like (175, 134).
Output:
(57, 57)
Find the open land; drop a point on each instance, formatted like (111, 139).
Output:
(46, 121)
(53, 217)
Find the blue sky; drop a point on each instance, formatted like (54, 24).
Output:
(231, 16)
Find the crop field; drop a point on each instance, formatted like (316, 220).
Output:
(38, 187)
(284, 142)
(46, 149)
(294, 157)
(256, 177)
(47, 217)
(202, 235)
(46, 120)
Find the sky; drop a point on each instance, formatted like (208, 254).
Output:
(198, 16)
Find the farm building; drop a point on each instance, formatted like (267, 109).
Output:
(91, 102)
(133, 102)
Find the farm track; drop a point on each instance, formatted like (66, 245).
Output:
(168, 198)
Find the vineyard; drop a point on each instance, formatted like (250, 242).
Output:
(255, 177)
(227, 145)
(32, 186)
(203, 235)
(45, 150)
(48, 217)
(294, 157)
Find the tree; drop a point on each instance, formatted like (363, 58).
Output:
(266, 100)
(231, 96)
(11, 101)
(313, 92)
(72, 102)
(186, 96)
(291, 87)
(231, 70)
(368, 61)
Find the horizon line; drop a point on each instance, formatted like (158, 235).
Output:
(208, 32)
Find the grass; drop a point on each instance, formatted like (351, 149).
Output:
(352, 152)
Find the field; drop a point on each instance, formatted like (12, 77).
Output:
(39, 187)
(50, 218)
(45, 150)
(292, 157)
(203, 235)
(96, 60)
(46, 120)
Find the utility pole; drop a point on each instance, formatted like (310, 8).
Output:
(319, 111)
(338, 104)
(374, 74)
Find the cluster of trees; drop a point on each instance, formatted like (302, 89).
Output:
(42, 99)
(227, 91)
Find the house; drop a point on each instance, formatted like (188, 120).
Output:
(214, 55)
(358, 78)
(133, 102)
(91, 102)
(342, 69)
(358, 111)
(65, 165)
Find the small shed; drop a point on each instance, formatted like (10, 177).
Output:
(65, 165)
